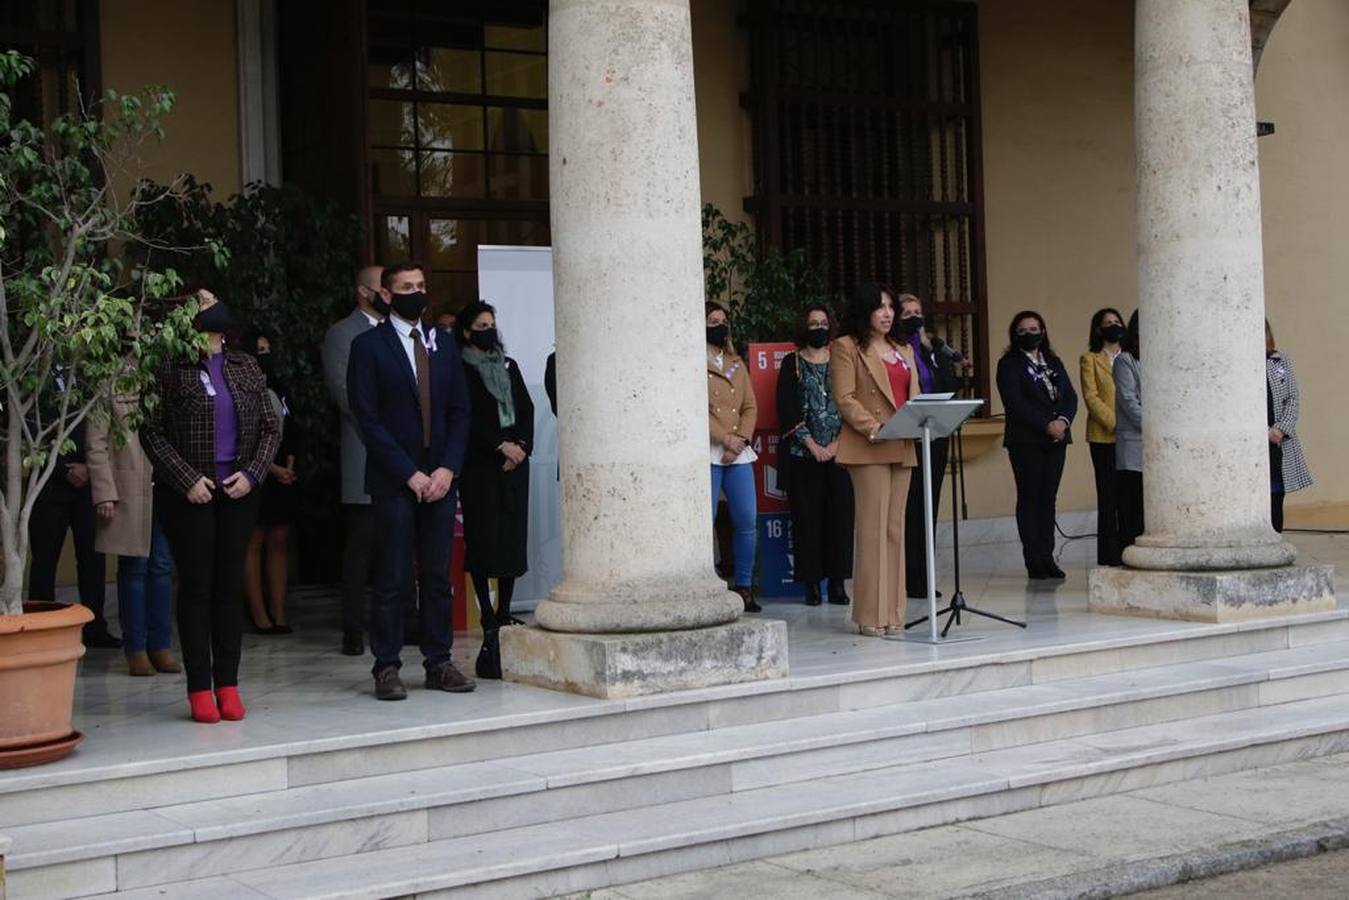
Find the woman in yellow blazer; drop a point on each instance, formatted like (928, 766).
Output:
(872, 377)
(731, 414)
(1098, 391)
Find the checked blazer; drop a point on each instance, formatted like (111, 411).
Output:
(179, 436)
(1287, 402)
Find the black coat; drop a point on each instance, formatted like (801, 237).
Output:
(1027, 401)
(485, 433)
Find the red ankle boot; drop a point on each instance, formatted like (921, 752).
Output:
(203, 707)
(231, 707)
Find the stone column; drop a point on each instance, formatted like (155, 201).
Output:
(640, 608)
(1201, 302)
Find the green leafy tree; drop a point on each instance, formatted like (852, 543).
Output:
(77, 325)
(763, 288)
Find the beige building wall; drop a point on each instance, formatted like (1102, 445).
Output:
(1303, 88)
(188, 46)
(1057, 96)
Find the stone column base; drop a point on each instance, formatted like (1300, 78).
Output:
(1220, 596)
(656, 662)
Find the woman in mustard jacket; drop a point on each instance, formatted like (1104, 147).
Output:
(731, 415)
(1098, 392)
(873, 376)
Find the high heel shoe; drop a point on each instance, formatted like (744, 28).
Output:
(203, 706)
(231, 707)
(812, 594)
(869, 630)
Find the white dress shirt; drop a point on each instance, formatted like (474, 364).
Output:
(404, 329)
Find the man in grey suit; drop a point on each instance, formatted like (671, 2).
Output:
(358, 558)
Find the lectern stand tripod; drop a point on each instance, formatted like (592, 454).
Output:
(957, 606)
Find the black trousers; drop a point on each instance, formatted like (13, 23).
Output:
(62, 507)
(1037, 468)
(208, 541)
(1276, 510)
(915, 531)
(1107, 510)
(424, 531)
(1130, 486)
(357, 566)
(821, 501)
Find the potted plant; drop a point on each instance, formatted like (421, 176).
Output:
(73, 333)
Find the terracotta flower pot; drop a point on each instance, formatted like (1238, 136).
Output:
(40, 651)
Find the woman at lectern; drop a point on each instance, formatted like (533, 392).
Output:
(731, 413)
(818, 488)
(1040, 405)
(873, 377)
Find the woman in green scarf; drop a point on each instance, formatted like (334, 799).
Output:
(494, 486)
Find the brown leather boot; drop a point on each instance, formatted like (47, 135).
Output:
(747, 595)
(138, 664)
(164, 661)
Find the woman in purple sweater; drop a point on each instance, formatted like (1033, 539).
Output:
(211, 438)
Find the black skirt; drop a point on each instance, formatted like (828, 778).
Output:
(280, 504)
(496, 519)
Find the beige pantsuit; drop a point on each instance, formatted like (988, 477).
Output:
(881, 493)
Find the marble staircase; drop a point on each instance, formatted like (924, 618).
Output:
(587, 797)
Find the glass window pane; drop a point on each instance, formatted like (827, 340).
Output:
(447, 127)
(387, 74)
(509, 37)
(451, 290)
(519, 177)
(517, 232)
(452, 71)
(515, 130)
(453, 243)
(452, 174)
(393, 173)
(517, 75)
(393, 238)
(389, 122)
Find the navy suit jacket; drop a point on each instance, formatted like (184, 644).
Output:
(1027, 402)
(382, 393)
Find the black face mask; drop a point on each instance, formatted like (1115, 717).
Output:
(409, 306)
(215, 319)
(379, 304)
(483, 340)
(1030, 341)
(817, 337)
(716, 334)
(911, 326)
(1113, 334)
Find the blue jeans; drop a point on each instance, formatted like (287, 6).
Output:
(410, 531)
(737, 482)
(145, 596)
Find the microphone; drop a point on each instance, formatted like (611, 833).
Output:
(946, 350)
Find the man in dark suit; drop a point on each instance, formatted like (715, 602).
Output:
(407, 392)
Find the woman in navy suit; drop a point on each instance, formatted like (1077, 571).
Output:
(1040, 404)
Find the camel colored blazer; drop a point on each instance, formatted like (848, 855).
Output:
(1098, 392)
(866, 402)
(122, 475)
(730, 400)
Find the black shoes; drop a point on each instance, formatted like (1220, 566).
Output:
(1044, 570)
(96, 636)
(813, 594)
(446, 677)
(838, 596)
(747, 596)
(489, 657)
(352, 644)
(388, 686)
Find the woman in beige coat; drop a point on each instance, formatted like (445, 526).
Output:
(873, 376)
(122, 488)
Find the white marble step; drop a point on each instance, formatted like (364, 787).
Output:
(117, 771)
(325, 819)
(613, 848)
